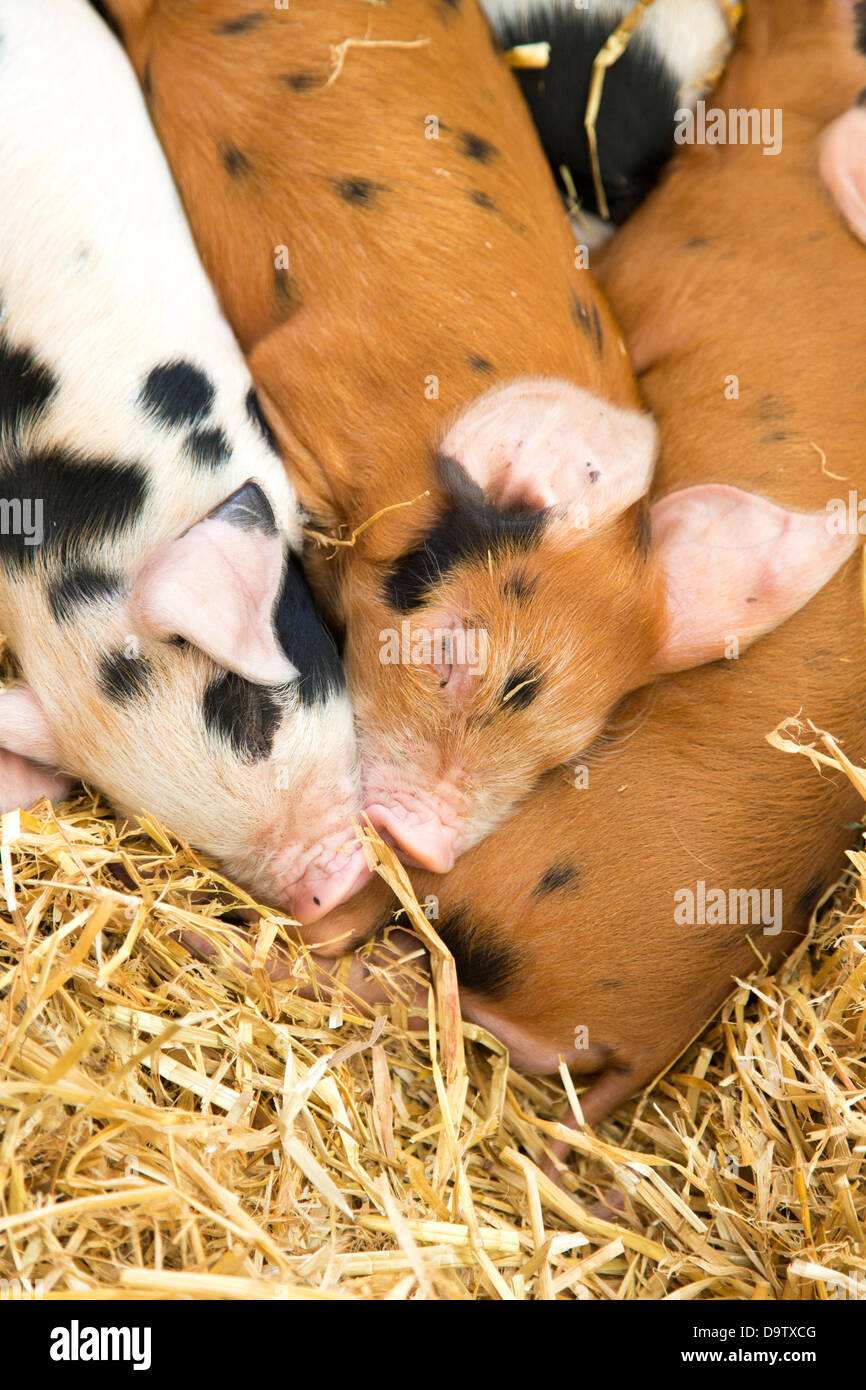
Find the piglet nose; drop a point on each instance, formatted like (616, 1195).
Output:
(317, 894)
(422, 842)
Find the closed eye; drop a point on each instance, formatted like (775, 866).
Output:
(521, 688)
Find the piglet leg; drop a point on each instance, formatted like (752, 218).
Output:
(392, 967)
(602, 1096)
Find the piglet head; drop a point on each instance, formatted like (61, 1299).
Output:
(207, 692)
(541, 592)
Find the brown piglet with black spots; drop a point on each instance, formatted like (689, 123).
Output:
(608, 920)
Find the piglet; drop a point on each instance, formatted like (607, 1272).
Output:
(450, 389)
(671, 52)
(606, 923)
(150, 578)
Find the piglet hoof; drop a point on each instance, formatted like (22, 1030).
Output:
(612, 1206)
(557, 1152)
(555, 1167)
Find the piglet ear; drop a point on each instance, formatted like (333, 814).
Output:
(538, 444)
(735, 566)
(842, 162)
(27, 750)
(217, 586)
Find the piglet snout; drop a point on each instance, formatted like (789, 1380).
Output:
(425, 834)
(336, 872)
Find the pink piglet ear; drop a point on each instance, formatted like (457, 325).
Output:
(539, 443)
(217, 586)
(735, 566)
(842, 162)
(27, 751)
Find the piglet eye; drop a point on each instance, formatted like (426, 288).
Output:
(521, 688)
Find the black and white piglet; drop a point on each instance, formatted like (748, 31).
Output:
(676, 46)
(150, 580)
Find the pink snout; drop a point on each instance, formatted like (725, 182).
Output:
(420, 837)
(321, 888)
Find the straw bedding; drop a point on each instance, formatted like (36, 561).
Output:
(183, 1127)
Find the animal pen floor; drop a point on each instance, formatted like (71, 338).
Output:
(176, 1128)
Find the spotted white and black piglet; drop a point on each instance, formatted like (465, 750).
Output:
(150, 579)
(677, 46)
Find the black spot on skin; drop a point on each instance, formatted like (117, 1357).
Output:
(557, 877)
(489, 204)
(479, 364)
(235, 162)
(257, 416)
(519, 587)
(80, 585)
(810, 897)
(521, 688)
(588, 319)
(302, 81)
(361, 192)
(464, 533)
(84, 501)
(476, 147)
(594, 475)
(607, 985)
(777, 437)
(305, 639)
(26, 386)
(177, 393)
(147, 82)
(770, 409)
(860, 25)
(246, 716)
(208, 448)
(695, 242)
(124, 678)
(485, 963)
(242, 25)
(288, 291)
